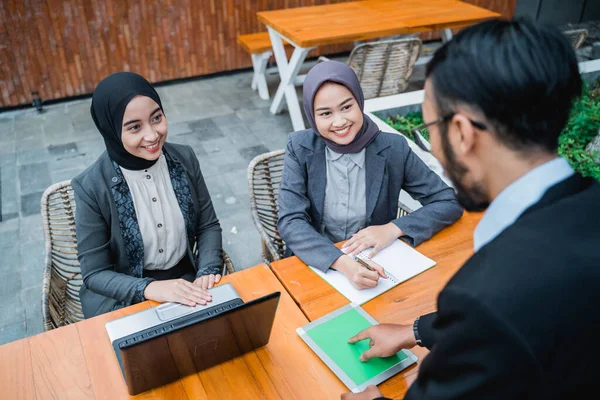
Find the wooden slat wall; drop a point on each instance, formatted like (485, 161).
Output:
(62, 48)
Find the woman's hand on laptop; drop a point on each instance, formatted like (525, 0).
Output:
(177, 291)
(377, 236)
(361, 277)
(207, 281)
(385, 340)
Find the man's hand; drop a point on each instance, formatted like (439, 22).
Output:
(377, 236)
(385, 340)
(370, 393)
(360, 276)
(207, 281)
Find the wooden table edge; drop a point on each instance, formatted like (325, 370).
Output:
(354, 37)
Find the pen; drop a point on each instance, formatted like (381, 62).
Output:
(364, 264)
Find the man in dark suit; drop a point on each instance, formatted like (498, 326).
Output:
(520, 320)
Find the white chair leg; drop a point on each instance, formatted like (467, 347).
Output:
(259, 64)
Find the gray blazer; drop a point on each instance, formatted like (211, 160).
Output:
(110, 245)
(390, 166)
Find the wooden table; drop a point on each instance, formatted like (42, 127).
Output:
(308, 27)
(450, 248)
(77, 361)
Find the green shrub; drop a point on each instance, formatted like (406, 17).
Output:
(582, 127)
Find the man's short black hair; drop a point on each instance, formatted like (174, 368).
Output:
(522, 76)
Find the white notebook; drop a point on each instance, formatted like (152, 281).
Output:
(400, 261)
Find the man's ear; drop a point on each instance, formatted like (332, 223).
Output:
(464, 134)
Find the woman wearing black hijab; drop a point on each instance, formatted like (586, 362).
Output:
(142, 207)
(342, 178)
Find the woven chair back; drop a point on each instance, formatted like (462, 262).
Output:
(384, 68)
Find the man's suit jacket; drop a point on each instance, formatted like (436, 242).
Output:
(521, 319)
(110, 245)
(390, 166)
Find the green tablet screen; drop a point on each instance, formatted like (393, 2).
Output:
(332, 336)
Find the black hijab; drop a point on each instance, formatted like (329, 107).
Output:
(338, 72)
(109, 101)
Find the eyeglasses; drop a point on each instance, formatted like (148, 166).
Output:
(424, 143)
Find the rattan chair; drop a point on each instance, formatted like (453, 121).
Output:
(576, 37)
(62, 274)
(264, 176)
(384, 67)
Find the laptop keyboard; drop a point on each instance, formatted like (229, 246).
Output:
(198, 316)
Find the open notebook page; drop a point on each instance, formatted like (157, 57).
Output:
(400, 261)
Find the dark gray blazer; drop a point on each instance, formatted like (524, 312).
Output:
(390, 166)
(110, 245)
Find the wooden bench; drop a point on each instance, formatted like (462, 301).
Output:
(259, 47)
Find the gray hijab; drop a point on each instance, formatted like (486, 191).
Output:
(338, 72)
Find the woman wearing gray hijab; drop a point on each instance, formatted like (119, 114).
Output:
(342, 178)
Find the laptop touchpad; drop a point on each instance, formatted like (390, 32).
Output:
(169, 311)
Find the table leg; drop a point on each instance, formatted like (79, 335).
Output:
(259, 64)
(446, 35)
(288, 71)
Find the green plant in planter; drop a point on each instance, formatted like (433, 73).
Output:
(405, 124)
(581, 128)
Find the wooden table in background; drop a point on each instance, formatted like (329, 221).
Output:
(450, 248)
(78, 362)
(308, 27)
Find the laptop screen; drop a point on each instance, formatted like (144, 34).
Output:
(196, 346)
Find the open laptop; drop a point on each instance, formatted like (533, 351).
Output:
(162, 344)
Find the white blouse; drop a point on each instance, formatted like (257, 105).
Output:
(158, 214)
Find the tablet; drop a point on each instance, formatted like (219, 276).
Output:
(328, 338)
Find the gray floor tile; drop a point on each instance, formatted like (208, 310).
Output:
(31, 230)
(34, 325)
(23, 144)
(61, 150)
(12, 225)
(12, 332)
(11, 258)
(32, 263)
(30, 203)
(237, 180)
(35, 156)
(9, 239)
(32, 301)
(65, 174)
(7, 128)
(12, 310)
(7, 147)
(205, 129)
(10, 280)
(176, 129)
(34, 177)
(250, 152)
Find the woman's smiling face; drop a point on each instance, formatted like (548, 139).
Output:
(144, 129)
(337, 114)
